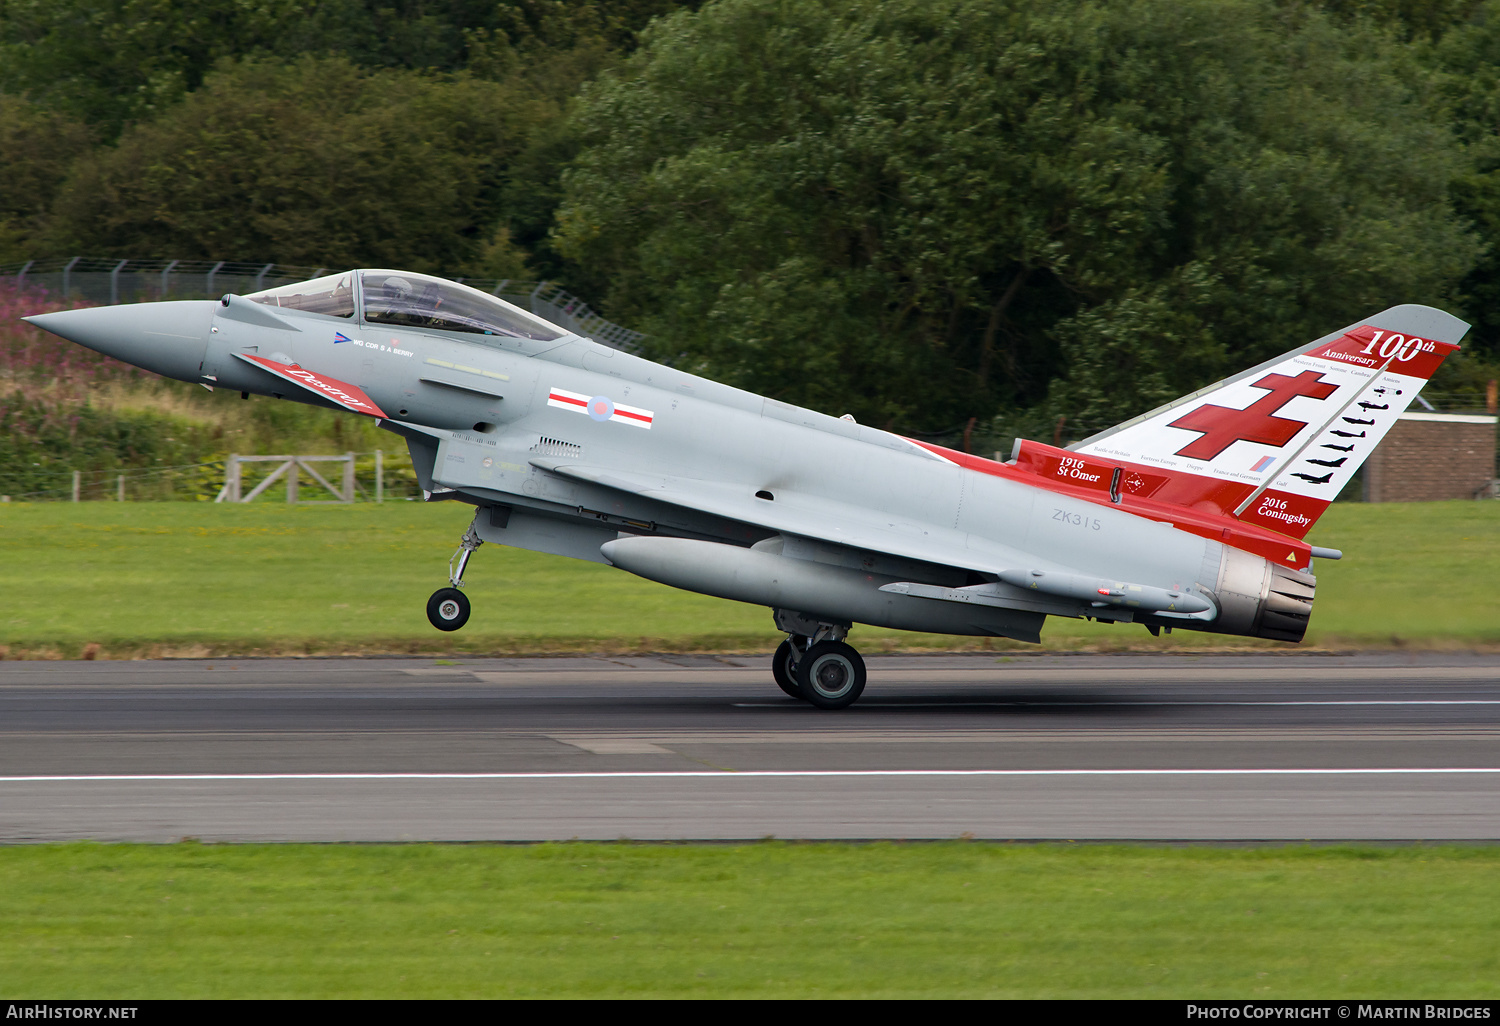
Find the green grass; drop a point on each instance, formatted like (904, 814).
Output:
(1411, 571)
(201, 579)
(764, 920)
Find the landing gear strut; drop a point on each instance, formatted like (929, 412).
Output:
(448, 609)
(815, 665)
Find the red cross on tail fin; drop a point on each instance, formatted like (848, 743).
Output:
(1275, 444)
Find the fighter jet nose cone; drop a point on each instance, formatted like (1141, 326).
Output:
(168, 338)
(53, 322)
(68, 324)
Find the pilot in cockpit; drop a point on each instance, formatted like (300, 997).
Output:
(418, 301)
(404, 305)
(395, 295)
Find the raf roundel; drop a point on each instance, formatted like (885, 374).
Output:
(600, 408)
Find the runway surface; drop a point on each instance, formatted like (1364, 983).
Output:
(1273, 747)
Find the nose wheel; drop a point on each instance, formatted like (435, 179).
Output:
(448, 609)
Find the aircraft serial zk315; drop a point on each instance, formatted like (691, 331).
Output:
(1191, 516)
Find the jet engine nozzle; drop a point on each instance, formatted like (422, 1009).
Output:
(1262, 599)
(166, 338)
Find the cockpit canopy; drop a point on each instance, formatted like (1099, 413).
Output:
(417, 301)
(412, 300)
(332, 294)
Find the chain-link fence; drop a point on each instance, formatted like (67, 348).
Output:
(89, 281)
(112, 280)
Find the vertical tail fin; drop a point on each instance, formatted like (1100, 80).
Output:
(1275, 444)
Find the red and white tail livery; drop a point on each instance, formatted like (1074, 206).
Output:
(1274, 445)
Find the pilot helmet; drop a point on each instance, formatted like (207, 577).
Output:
(397, 289)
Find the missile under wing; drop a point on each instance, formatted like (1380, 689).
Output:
(1190, 517)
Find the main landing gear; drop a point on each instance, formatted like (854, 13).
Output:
(815, 665)
(448, 609)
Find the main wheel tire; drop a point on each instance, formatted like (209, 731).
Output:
(784, 669)
(831, 675)
(448, 609)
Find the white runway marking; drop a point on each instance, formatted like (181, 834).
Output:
(733, 774)
(877, 704)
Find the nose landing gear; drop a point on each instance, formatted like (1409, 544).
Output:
(815, 665)
(448, 608)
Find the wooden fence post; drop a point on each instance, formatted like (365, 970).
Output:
(231, 490)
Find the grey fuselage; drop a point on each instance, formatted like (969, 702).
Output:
(726, 492)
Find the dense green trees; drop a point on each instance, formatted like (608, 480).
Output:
(922, 211)
(37, 147)
(1468, 58)
(440, 137)
(109, 62)
(916, 211)
(310, 163)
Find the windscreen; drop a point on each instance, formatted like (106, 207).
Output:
(417, 301)
(332, 294)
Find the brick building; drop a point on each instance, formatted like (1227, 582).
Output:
(1429, 456)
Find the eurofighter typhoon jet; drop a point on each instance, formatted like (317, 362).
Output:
(1190, 517)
